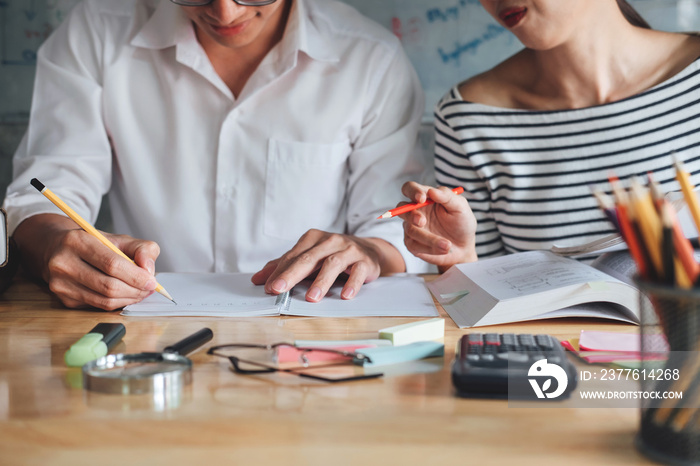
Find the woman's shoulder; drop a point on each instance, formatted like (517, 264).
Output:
(683, 50)
(496, 87)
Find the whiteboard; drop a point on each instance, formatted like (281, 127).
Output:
(446, 40)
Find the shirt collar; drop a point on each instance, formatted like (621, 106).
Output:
(169, 26)
(165, 28)
(304, 34)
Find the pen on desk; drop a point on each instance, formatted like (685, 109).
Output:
(409, 207)
(87, 227)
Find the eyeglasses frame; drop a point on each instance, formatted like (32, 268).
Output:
(209, 2)
(264, 369)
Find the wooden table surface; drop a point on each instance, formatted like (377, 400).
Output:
(225, 418)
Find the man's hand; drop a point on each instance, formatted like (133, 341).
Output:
(331, 254)
(79, 269)
(442, 233)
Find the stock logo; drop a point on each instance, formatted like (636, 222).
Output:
(542, 369)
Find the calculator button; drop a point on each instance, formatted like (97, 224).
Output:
(526, 340)
(509, 339)
(543, 341)
(514, 357)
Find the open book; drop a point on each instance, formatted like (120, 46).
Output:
(538, 285)
(233, 295)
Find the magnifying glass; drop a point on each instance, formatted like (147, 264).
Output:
(163, 374)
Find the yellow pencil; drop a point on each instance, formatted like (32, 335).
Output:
(87, 227)
(649, 223)
(688, 191)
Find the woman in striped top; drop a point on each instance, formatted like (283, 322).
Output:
(593, 91)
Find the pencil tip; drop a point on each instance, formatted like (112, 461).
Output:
(384, 215)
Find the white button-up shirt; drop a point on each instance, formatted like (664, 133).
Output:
(127, 102)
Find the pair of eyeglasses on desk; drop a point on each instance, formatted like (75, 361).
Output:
(322, 364)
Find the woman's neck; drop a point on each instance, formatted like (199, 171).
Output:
(597, 66)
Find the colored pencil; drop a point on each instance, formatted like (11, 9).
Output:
(688, 191)
(668, 249)
(607, 206)
(409, 207)
(649, 224)
(685, 253)
(627, 228)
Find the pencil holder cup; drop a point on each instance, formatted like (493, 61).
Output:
(669, 373)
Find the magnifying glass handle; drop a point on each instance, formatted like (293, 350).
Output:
(190, 343)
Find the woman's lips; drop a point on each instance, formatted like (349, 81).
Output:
(512, 16)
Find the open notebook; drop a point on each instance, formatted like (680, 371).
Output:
(233, 295)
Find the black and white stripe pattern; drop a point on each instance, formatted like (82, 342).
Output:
(527, 174)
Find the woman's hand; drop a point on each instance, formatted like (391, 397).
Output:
(441, 233)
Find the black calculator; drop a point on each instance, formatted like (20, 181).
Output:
(505, 365)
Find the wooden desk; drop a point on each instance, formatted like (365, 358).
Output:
(233, 419)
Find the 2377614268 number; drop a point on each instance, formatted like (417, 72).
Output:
(639, 374)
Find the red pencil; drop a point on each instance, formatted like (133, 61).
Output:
(409, 207)
(627, 229)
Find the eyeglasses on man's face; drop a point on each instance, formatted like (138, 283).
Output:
(314, 363)
(207, 2)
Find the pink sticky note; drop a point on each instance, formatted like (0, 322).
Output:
(622, 342)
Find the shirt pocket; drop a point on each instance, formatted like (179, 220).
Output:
(305, 187)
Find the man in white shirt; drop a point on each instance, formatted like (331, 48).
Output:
(222, 131)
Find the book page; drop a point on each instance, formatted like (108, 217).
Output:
(530, 285)
(206, 294)
(400, 295)
(617, 264)
(525, 274)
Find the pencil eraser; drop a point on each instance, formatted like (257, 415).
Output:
(424, 330)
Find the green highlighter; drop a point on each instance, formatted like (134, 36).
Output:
(94, 344)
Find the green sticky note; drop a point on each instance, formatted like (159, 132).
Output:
(88, 348)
